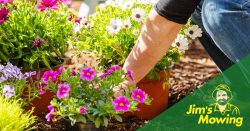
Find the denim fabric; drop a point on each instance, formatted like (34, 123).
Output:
(227, 23)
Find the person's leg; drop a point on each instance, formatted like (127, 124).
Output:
(220, 59)
(228, 24)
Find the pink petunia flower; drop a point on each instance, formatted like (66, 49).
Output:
(78, 20)
(115, 67)
(4, 15)
(42, 90)
(49, 76)
(139, 95)
(6, 1)
(49, 115)
(87, 74)
(121, 104)
(48, 5)
(130, 74)
(71, 16)
(59, 71)
(37, 42)
(63, 91)
(82, 110)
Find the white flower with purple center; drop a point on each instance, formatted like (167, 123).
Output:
(115, 26)
(117, 3)
(127, 24)
(127, 5)
(181, 43)
(8, 91)
(138, 14)
(193, 32)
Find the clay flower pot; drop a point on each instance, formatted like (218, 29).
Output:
(158, 91)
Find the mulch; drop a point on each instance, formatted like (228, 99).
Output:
(194, 69)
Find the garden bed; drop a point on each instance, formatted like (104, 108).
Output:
(194, 69)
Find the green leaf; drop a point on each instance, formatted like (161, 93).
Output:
(106, 121)
(97, 122)
(45, 61)
(81, 118)
(118, 118)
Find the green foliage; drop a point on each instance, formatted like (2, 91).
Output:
(26, 23)
(13, 117)
(114, 48)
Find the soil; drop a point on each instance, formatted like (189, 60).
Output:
(194, 69)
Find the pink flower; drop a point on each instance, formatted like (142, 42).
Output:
(5, 1)
(130, 74)
(139, 95)
(71, 16)
(87, 74)
(121, 104)
(66, 2)
(49, 76)
(49, 115)
(59, 72)
(48, 4)
(63, 91)
(4, 15)
(42, 90)
(73, 73)
(115, 67)
(78, 20)
(82, 110)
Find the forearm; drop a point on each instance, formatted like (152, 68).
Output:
(155, 39)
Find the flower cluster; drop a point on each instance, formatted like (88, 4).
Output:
(84, 95)
(43, 28)
(13, 83)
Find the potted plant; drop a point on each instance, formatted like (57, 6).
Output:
(113, 31)
(85, 97)
(35, 35)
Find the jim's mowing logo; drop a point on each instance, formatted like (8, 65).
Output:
(221, 111)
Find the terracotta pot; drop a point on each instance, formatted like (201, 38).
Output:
(41, 104)
(89, 126)
(158, 91)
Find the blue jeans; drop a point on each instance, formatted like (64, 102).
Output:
(226, 27)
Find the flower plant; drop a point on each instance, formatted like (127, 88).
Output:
(34, 34)
(85, 96)
(115, 28)
(17, 85)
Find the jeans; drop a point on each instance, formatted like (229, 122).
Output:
(226, 29)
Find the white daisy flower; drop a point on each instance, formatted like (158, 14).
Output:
(102, 6)
(127, 24)
(181, 43)
(138, 14)
(117, 3)
(127, 5)
(146, 1)
(115, 26)
(193, 32)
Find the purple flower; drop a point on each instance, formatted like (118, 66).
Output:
(87, 74)
(49, 76)
(8, 91)
(37, 42)
(115, 67)
(48, 4)
(78, 20)
(59, 72)
(109, 72)
(12, 72)
(121, 104)
(4, 15)
(42, 90)
(139, 95)
(73, 73)
(63, 91)
(130, 74)
(49, 115)
(29, 74)
(82, 110)
(5, 1)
